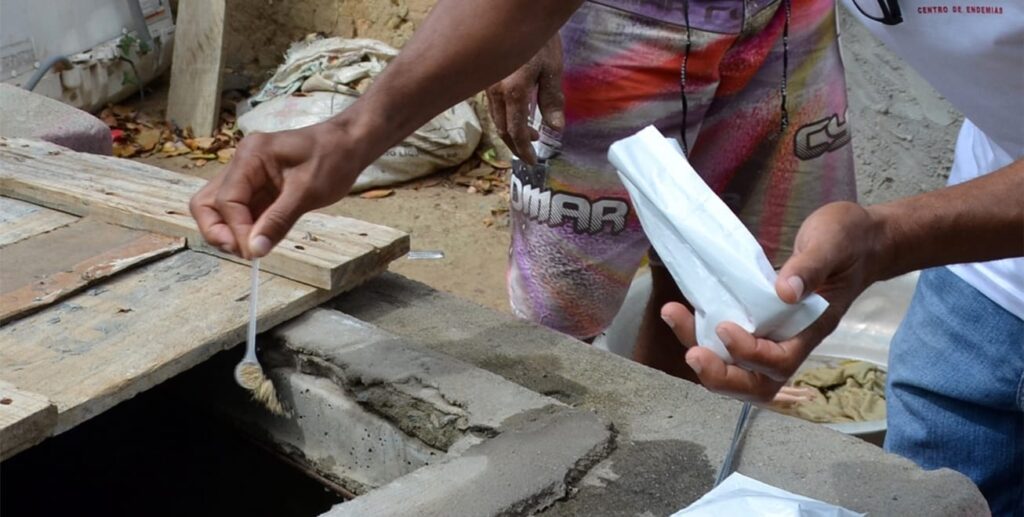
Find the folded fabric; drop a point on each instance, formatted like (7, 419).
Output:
(718, 264)
(852, 391)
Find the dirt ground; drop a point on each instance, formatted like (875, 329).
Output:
(442, 217)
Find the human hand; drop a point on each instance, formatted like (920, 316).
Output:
(510, 100)
(272, 180)
(838, 252)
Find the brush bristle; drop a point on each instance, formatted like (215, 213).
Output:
(253, 379)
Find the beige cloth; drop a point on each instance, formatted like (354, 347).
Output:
(852, 391)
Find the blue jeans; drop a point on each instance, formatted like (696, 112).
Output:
(955, 394)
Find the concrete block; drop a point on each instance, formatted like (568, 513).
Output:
(371, 414)
(529, 466)
(24, 114)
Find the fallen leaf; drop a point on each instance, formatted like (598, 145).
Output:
(225, 155)
(174, 149)
(202, 156)
(491, 157)
(123, 111)
(148, 138)
(200, 144)
(108, 118)
(481, 172)
(200, 163)
(377, 194)
(471, 189)
(488, 221)
(123, 150)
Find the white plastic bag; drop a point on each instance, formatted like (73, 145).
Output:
(331, 73)
(719, 266)
(740, 495)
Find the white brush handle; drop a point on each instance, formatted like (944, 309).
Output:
(254, 293)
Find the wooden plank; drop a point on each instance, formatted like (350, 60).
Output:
(138, 329)
(329, 252)
(197, 65)
(20, 220)
(46, 268)
(26, 419)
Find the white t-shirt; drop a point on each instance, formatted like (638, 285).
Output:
(972, 52)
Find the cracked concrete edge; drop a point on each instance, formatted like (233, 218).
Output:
(537, 459)
(646, 405)
(389, 373)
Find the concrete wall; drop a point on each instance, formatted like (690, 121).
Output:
(903, 130)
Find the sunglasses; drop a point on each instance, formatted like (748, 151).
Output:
(887, 11)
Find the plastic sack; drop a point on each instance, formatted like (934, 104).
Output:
(331, 73)
(740, 495)
(719, 266)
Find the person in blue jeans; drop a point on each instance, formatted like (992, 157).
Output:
(955, 394)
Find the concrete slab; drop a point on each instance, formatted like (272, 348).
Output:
(533, 463)
(656, 416)
(28, 115)
(372, 414)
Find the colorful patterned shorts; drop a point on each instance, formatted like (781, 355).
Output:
(576, 241)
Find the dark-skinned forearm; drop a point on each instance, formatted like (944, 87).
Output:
(462, 47)
(975, 221)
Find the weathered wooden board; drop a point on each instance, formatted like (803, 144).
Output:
(138, 329)
(329, 252)
(194, 97)
(41, 270)
(20, 220)
(26, 419)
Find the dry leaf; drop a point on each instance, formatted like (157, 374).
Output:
(123, 111)
(491, 157)
(124, 150)
(202, 156)
(200, 163)
(471, 189)
(481, 172)
(225, 155)
(377, 194)
(148, 138)
(200, 144)
(488, 221)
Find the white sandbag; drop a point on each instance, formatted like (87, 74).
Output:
(331, 73)
(717, 263)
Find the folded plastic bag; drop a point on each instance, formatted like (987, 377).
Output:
(719, 266)
(740, 495)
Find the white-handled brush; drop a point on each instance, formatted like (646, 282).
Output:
(249, 373)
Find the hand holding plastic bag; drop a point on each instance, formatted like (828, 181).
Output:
(717, 263)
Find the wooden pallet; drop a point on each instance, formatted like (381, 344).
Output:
(106, 289)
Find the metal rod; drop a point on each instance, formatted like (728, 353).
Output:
(727, 463)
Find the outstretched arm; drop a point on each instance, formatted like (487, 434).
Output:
(461, 48)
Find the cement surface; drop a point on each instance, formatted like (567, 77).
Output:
(29, 115)
(533, 463)
(647, 406)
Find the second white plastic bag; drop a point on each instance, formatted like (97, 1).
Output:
(717, 263)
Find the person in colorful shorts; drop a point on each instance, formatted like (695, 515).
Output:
(755, 93)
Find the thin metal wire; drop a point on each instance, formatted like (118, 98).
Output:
(729, 456)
